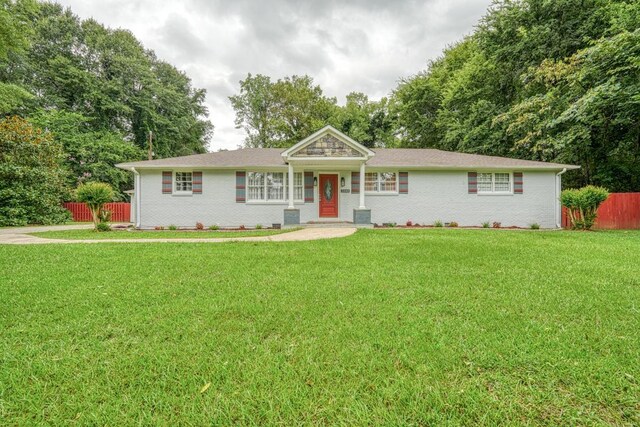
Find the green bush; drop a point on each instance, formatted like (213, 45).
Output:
(453, 224)
(535, 226)
(173, 227)
(259, 227)
(437, 223)
(103, 226)
(214, 227)
(95, 195)
(582, 205)
(485, 224)
(32, 176)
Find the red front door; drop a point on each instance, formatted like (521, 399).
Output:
(329, 192)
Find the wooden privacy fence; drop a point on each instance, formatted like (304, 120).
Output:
(120, 211)
(619, 211)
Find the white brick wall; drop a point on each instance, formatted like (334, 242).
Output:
(433, 195)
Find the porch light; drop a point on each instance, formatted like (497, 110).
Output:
(315, 181)
(342, 183)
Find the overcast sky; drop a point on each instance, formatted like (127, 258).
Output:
(361, 45)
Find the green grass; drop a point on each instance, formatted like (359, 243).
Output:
(395, 327)
(162, 234)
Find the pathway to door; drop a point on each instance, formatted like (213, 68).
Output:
(19, 236)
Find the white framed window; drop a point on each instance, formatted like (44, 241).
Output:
(273, 186)
(381, 182)
(255, 186)
(183, 182)
(298, 187)
(494, 183)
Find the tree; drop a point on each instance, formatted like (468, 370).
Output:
(585, 110)
(14, 38)
(582, 205)
(95, 195)
(90, 155)
(540, 80)
(281, 113)
(254, 108)
(32, 176)
(368, 122)
(109, 77)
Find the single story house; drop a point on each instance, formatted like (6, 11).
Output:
(329, 177)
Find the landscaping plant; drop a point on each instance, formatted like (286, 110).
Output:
(485, 224)
(95, 195)
(453, 224)
(582, 205)
(199, 226)
(437, 223)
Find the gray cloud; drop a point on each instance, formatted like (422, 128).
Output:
(355, 45)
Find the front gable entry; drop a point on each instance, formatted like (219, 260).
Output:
(328, 143)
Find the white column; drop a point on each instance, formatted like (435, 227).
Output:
(291, 206)
(362, 206)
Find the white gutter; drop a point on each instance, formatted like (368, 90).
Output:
(136, 187)
(558, 203)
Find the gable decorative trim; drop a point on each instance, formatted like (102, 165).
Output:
(327, 146)
(328, 143)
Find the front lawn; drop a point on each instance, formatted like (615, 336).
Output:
(395, 327)
(153, 234)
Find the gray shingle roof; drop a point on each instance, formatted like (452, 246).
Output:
(413, 158)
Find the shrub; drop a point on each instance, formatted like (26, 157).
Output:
(437, 223)
(95, 195)
(214, 227)
(535, 226)
(409, 223)
(158, 227)
(485, 224)
(199, 226)
(453, 224)
(32, 176)
(242, 227)
(173, 227)
(259, 227)
(582, 205)
(103, 226)
(497, 224)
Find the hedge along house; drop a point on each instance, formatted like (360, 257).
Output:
(329, 177)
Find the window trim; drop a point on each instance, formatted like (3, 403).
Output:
(265, 200)
(493, 192)
(173, 183)
(378, 192)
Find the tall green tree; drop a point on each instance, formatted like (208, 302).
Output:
(281, 113)
(107, 76)
(14, 39)
(90, 155)
(369, 122)
(551, 80)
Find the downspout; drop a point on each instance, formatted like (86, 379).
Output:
(136, 187)
(558, 203)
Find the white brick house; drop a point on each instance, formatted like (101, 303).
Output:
(329, 177)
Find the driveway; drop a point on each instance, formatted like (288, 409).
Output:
(20, 236)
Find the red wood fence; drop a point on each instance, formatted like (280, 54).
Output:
(619, 211)
(120, 211)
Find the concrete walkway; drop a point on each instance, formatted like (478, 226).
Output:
(20, 236)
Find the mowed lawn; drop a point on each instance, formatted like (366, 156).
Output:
(395, 327)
